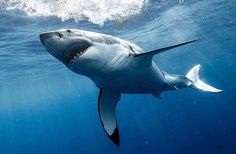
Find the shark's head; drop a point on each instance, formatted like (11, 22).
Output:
(81, 51)
(68, 46)
(85, 52)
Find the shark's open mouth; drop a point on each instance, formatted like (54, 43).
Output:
(75, 52)
(75, 55)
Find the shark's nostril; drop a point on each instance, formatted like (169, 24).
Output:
(45, 36)
(59, 34)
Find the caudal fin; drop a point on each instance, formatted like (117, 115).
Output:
(197, 83)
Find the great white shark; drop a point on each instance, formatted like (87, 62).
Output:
(117, 66)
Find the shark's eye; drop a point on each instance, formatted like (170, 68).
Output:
(68, 30)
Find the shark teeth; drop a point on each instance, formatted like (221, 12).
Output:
(76, 56)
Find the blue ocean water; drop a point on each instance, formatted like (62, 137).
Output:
(46, 108)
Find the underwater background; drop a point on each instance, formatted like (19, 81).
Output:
(46, 108)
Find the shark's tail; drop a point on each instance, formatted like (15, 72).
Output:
(197, 83)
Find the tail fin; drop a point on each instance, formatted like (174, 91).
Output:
(193, 75)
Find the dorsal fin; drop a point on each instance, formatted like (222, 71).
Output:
(150, 54)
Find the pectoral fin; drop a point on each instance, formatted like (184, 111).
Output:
(107, 101)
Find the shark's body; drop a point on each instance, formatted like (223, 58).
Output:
(116, 66)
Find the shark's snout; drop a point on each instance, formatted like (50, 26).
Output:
(45, 36)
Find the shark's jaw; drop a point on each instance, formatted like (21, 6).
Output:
(73, 53)
(65, 49)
